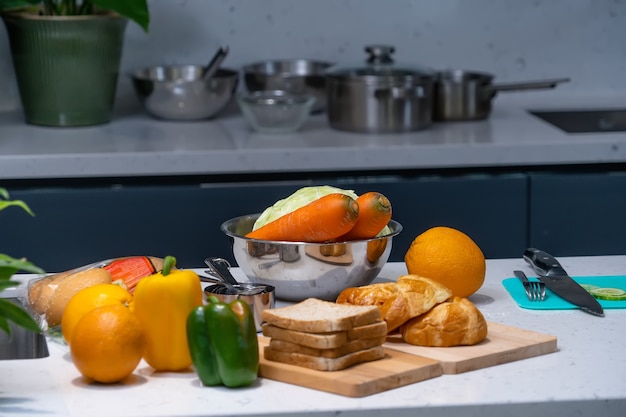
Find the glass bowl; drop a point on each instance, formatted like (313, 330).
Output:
(275, 111)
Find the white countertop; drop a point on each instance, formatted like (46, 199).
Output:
(137, 145)
(586, 376)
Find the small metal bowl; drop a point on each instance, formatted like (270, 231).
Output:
(299, 270)
(259, 297)
(297, 76)
(180, 93)
(275, 111)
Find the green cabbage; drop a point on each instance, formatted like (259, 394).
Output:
(298, 199)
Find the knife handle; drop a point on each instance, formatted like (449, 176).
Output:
(543, 263)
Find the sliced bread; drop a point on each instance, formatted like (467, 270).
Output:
(326, 340)
(324, 364)
(317, 316)
(350, 347)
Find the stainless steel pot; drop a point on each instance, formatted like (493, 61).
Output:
(461, 95)
(380, 97)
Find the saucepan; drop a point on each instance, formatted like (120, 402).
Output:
(461, 95)
(380, 95)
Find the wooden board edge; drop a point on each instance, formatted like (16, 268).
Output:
(546, 344)
(313, 379)
(499, 358)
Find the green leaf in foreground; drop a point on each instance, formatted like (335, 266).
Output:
(14, 313)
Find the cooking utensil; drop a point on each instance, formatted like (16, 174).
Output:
(379, 96)
(296, 76)
(298, 270)
(180, 93)
(535, 290)
(210, 70)
(557, 303)
(551, 273)
(220, 268)
(260, 297)
(461, 95)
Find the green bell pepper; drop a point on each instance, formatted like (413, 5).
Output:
(223, 343)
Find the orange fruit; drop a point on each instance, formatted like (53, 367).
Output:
(448, 256)
(86, 300)
(107, 343)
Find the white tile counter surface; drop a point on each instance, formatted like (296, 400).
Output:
(585, 377)
(136, 145)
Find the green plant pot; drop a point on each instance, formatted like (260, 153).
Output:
(66, 66)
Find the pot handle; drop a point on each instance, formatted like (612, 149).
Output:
(528, 85)
(403, 93)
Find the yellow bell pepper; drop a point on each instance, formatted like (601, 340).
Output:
(162, 303)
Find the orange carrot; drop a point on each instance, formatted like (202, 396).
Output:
(321, 220)
(374, 214)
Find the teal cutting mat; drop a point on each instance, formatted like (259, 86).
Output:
(554, 302)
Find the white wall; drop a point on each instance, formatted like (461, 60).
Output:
(514, 39)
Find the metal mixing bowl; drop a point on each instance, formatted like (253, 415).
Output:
(300, 270)
(297, 76)
(180, 93)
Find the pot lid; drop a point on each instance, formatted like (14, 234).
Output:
(381, 66)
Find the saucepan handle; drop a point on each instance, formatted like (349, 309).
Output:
(529, 85)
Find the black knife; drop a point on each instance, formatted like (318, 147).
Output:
(550, 272)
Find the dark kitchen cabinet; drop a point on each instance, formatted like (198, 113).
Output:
(578, 214)
(491, 209)
(77, 225)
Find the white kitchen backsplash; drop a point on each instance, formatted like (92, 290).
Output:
(516, 40)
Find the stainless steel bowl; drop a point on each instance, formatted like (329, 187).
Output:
(297, 76)
(300, 270)
(180, 93)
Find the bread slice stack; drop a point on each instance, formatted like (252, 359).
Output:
(323, 335)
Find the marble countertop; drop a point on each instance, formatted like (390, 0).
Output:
(136, 145)
(586, 376)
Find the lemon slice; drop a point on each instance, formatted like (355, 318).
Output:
(611, 294)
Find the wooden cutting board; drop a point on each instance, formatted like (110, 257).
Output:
(503, 344)
(395, 370)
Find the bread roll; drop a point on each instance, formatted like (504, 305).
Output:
(157, 263)
(399, 301)
(50, 295)
(452, 323)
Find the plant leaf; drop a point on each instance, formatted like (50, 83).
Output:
(17, 315)
(19, 203)
(136, 10)
(4, 284)
(4, 325)
(9, 266)
(17, 4)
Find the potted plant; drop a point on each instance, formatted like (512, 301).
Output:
(8, 267)
(66, 56)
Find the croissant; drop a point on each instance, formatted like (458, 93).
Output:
(399, 301)
(452, 323)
